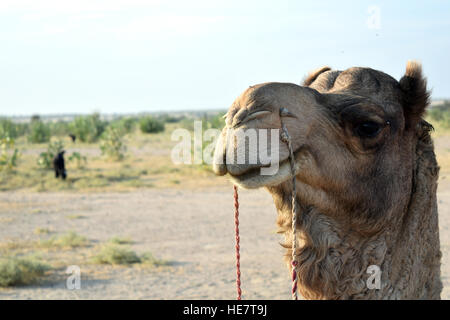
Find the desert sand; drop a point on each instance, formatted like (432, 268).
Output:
(193, 229)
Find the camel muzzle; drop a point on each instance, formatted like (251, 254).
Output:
(250, 147)
(243, 150)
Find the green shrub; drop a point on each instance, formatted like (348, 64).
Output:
(215, 122)
(8, 129)
(115, 254)
(151, 125)
(88, 128)
(79, 159)
(149, 259)
(440, 115)
(75, 216)
(119, 240)
(9, 154)
(39, 231)
(128, 124)
(45, 159)
(68, 240)
(187, 124)
(39, 132)
(171, 119)
(60, 128)
(22, 129)
(124, 125)
(20, 271)
(208, 122)
(112, 144)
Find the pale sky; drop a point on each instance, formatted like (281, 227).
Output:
(122, 56)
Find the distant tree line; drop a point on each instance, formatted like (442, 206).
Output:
(440, 115)
(87, 129)
(91, 128)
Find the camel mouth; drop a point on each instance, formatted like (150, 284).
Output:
(253, 179)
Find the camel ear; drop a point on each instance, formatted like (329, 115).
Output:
(313, 75)
(416, 96)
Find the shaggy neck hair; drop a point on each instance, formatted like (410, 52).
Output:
(334, 257)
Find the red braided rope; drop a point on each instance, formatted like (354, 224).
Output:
(294, 280)
(238, 256)
(287, 139)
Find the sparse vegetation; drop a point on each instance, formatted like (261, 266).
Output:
(79, 160)
(124, 125)
(215, 122)
(151, 125)
(167, 118)
(68, 240)
(16, 271)
(119, 240)
(40, 231)
(112, 144)
(9, 155)
(148, 259)
(115, 254)
(439, 116)
(60, 128)
(208, 121)
(45, 159)
(39, 132)
(75, 216)
(88, 128)
(8, 129)
(147, 165)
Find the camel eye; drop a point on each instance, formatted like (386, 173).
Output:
(367, 129)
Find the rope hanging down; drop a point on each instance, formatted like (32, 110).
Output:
(238, 256)
(294, 263)
(285, 137)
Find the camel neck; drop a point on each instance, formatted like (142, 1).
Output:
(336, 261)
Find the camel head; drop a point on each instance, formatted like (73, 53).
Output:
(354, 135)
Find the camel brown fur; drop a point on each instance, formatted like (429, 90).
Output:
(366, 177)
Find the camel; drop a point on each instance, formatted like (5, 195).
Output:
(366, 178)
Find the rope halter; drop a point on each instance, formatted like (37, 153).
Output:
(286, 138)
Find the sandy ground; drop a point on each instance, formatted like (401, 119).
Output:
(192, 229)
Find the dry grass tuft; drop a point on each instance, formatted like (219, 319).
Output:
(115, 254)
(20, 271)
(120, 240)
(40, 231)
(68, 240)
